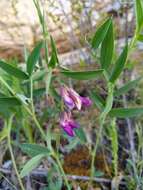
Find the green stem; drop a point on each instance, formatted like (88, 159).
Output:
(114, 145)
(41, 15)
(31, 94)
(39, 127)
(7, 86)
(62, 170)
(132, 43)
(102, 118)
(11, 153)
(95, 150)
(33, 111)
(48, 80)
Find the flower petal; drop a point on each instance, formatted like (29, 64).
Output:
(73, 124)
(86, 101)
(69, 103)
(67, 123)
(69, 130)
(67, 99)
(75, 97)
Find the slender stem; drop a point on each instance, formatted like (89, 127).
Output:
(31, 94)
(11, 153)
(48, 80)
(33, 111)
(62, 170)
(7, 86)
(95, 150)
(114, 145)
(102, 118)
(39, 127)
(46, 51)
(7, 180)
(41, 15)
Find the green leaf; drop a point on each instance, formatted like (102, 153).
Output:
(80, 134)
(39, 75)
(139, 14)
(39, 92)
(54, 49)
(107, 48)
(73, 142)
(128, 86)
(2, 95)
(33, 149)
(52, 183)
(98, 101)
(100, 34)
(64, 68)
(82, 75)
(52, 62)
(55, 185)
(119, 65)
(13, 71)
(33, 57)
(130, 164)
(140, 37)
(9, 101)
(31, 164)
(54, 58)
(126, 112)
(23, 99)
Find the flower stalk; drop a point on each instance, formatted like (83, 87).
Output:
(102, 118)
(11, 152)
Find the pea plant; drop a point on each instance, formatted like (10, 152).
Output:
(40, 80)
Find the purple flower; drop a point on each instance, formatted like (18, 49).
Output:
(86, 101)
(68, 124)
(72, 99)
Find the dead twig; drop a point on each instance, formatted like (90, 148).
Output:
(44, 172)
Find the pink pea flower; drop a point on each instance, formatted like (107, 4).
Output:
(72, 99)
(68, 124)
